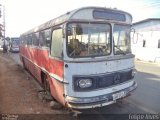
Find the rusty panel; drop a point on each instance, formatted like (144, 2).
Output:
(57, 67)
(57, 90)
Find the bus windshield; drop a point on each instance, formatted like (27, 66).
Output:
(121, 37)
(88, 39)
(15, 42)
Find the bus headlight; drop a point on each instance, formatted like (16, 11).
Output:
(85, 83)
(134, 72)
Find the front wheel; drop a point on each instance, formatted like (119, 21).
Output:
(46, 94)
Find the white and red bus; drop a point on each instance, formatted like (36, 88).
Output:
(14, 44)
(83, 58)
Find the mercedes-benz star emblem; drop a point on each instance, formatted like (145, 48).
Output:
(117, 78)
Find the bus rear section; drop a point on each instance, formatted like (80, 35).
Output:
(87, 62)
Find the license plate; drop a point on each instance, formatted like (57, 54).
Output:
(118, 95)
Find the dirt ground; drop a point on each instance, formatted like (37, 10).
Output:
(19, 94)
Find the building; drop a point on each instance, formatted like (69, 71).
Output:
(146, 40)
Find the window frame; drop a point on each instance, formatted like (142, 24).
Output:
(44, 37)
(123, 52)
(50, 55)
(89, 22)
(35, 36)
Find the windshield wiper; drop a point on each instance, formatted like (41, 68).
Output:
(120, 49)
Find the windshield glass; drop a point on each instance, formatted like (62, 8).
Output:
(15, 42)
(88, 39)
(121, 37)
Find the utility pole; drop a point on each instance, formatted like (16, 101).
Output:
(4, 23)
(2, 27)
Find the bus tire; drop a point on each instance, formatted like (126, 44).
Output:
(46, 87)
(45, 82)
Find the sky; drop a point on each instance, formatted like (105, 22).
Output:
(23, 15)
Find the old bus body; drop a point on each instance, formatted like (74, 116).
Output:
(83, 58)
(14, 44)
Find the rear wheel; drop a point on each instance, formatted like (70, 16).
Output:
(45, 94)
(46, 83)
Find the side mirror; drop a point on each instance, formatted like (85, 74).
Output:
(132, 33)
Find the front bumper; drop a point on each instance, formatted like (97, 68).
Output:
(99, 101)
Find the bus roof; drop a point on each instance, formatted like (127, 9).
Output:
(14, 38)
(87, 13)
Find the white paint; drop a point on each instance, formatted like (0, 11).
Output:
(93, 68)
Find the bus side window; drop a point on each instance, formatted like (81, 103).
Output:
(48, 37)
(29, 40)
(22, 40)
(41, 38)
(45, 38)
(56, 44)
(35, 38)
(25, 40)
